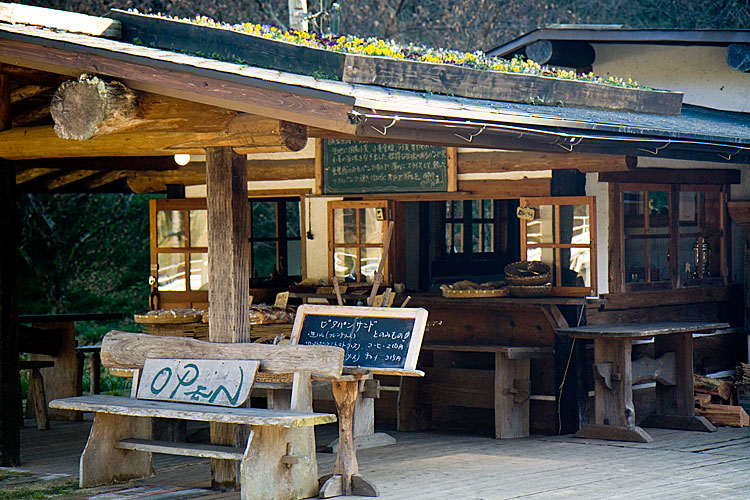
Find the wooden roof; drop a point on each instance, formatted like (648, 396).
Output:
(37, 60)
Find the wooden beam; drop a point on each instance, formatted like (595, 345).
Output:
(104, 163)
(226, 195)
(91, 106)
(102, 179)
(571, 54)
(41, 142)
(510, 161)
(29, 174)
(31, 116)
(27, 91)
(60, 20)
(10, 385)
(5, 111)
(65, 178)
(673, 176)
(229, 275)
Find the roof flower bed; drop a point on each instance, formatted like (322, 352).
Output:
(371, 61)
(372, 46)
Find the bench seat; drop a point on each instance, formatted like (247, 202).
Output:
(119, 405)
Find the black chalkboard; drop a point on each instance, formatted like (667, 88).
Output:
(377, 338)
(353, 167)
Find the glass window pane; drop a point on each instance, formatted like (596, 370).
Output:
(370, 263)
(171, 271)
(293, 229)
(170, 229)
(489, 211)
(264, 258)
(263, 219)
(659, 260)
(458, 238)
(634, 260)
(345, 263)
(371, 230)
(476, 238)
(345, 225)
(488, 238)
(576, 266)
(546, 255)
(686, 263)
(476, 209)
(575, 224)
(449, 238)
(294, 258)
(541, 229)
(688, 211)
(711, 211)
(198, 228)
(632, 211)
(658, 210)
(199, 271)
(458, 209)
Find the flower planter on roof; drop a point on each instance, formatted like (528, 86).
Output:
(244, 48)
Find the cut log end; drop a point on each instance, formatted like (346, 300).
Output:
(293, 135)
(90, 106)
(738, 56)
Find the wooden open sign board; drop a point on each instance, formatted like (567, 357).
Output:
(380, 339)
(216, 382)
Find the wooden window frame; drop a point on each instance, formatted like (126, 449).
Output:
(332, 245)
(556, 201)
(617, 281)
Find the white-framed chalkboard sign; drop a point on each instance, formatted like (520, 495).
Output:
(380, 339)
(358, 167)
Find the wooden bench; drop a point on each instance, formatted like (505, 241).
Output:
(278, 461)
(36, 391)
(512, 383)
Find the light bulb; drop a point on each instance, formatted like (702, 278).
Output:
(182, 159)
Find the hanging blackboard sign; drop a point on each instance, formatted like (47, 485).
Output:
(354, 167)
(381, 339)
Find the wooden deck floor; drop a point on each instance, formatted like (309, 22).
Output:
(677, 465)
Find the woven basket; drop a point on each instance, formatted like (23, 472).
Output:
(530, 290)
(451, 293)
(149, 319)
(528, 273)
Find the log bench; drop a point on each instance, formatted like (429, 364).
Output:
(278, 461)
(512, 383)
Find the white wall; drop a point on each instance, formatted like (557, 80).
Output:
(601, 191)
(701, 73)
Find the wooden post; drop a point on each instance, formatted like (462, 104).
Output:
(229, 279)
(10, 386)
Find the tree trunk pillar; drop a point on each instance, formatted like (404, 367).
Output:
(229, 279)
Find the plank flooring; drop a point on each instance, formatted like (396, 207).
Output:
(427, 466)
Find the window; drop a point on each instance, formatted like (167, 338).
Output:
(179, 241)
(669, 236)
(562, 234)
(358, 234)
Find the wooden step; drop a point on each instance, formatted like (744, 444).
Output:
(185, 449)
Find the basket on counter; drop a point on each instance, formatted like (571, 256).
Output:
(530, 290)
(527, 273)
(471, 290)
(174, 323)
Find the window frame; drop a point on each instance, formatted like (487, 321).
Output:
(556, 269)
(385, 205)
(617, 273)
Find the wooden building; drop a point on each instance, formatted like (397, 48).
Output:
(631, 202)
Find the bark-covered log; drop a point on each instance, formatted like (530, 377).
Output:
(91, 106)
(738, 56)
(561, 53)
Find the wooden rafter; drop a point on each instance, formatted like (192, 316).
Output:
(29, 174)
(104, 163)
(30, 116)
(65, 178)
(38, 77)
(27, 91)
(104, 178)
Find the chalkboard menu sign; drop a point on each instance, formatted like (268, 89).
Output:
(381, 339)
(353, 167)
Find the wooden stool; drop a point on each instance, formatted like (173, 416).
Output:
(36, 390)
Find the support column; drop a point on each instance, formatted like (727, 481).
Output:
(10, 386)
(229, 279)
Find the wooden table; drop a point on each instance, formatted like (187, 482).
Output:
(615, 373)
